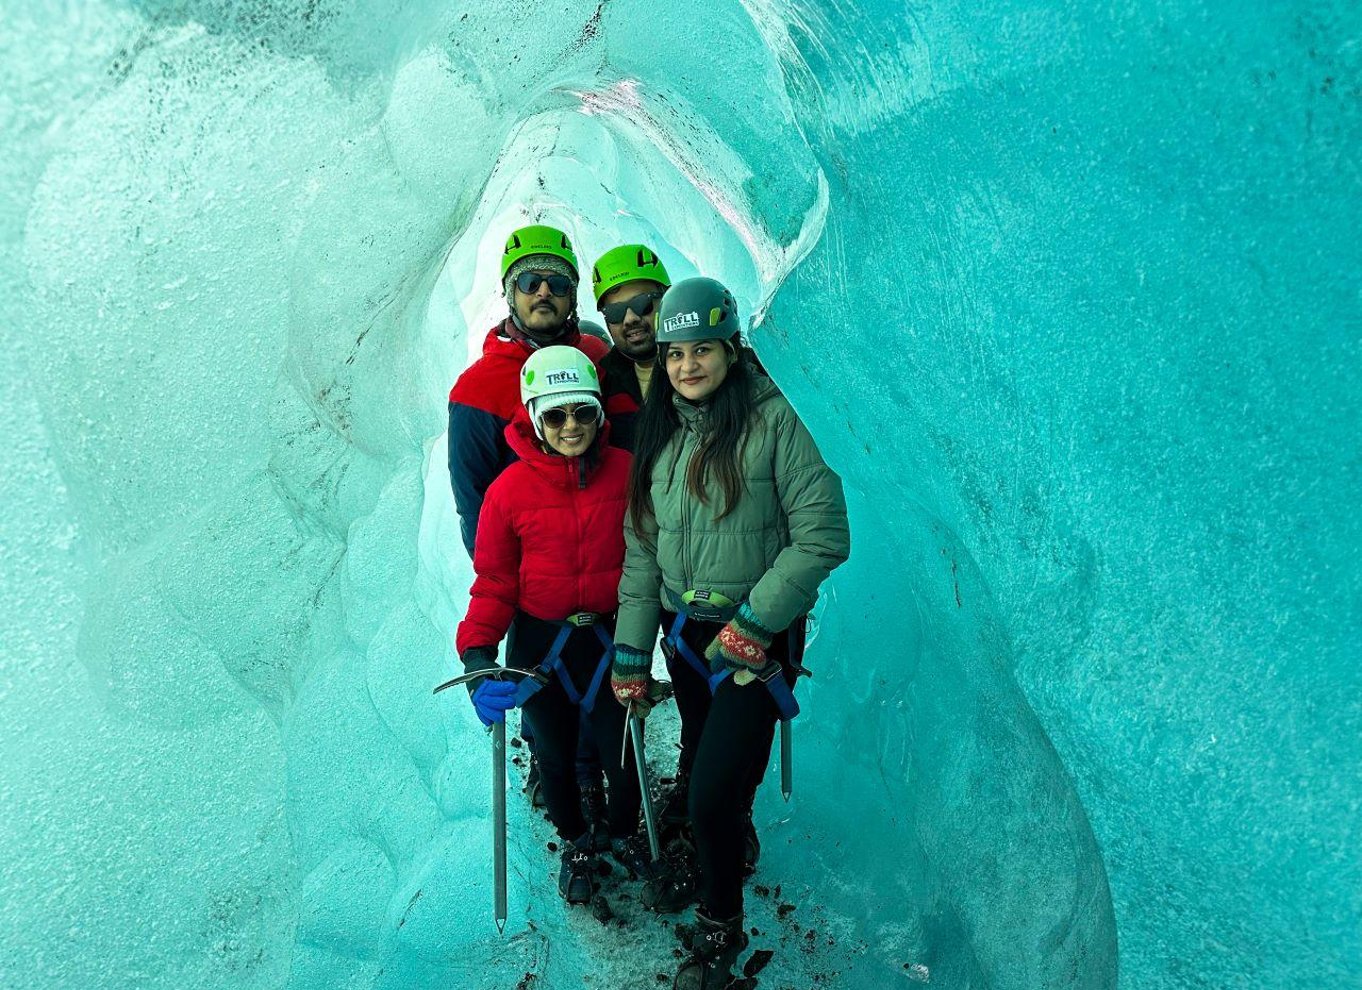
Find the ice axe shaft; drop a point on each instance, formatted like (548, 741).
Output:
(499, 824)
(641, 762)
(787, 742)
(786, 758)
(744, 677)
(498, 730)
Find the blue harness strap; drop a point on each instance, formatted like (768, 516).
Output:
(781, 693)
(683, 649)
(553, 664)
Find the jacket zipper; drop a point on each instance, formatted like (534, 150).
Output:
(688, 565)
(577, 466)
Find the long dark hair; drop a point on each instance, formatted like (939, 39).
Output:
(729, 411)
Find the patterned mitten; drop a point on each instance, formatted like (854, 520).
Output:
(741, 644)
(629, 676)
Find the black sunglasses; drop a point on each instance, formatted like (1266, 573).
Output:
(641, 304)
(529, 283)
(585, 415)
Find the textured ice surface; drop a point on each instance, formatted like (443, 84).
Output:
(1070, 296)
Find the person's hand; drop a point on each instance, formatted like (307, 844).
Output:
(630, 675)
(493, 699)
(741, 644)
(477, 658)
(491, 705)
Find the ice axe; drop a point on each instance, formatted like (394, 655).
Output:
(659, 692)
(745, 677)
(498, 730)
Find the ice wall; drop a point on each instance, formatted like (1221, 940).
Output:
(1069, 296)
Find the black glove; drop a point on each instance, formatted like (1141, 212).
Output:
(477, 658)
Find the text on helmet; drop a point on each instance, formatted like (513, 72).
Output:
(681, 321)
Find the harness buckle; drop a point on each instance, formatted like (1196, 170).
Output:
(708, 606)
(702, 605)
(767, 673)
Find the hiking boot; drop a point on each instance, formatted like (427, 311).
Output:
(714, 948)
(672, 886)
(633, 853)
(577, 875)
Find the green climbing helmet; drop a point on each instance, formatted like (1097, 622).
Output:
(625, 264)
(537, 239)
(697, 309)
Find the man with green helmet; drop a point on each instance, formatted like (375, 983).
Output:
(628, 281)
(539, 278)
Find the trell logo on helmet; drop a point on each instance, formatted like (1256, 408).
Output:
(681, 321)
(562, 378)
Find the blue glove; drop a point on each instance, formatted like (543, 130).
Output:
(492, 699)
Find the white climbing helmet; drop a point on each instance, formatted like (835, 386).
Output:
(558, 376)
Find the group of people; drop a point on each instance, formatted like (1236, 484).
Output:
(611, 494)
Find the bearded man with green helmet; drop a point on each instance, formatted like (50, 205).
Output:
(628, 281)
(734, 520)
(539, 279)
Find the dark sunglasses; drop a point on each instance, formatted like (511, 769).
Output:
(641, 304)
(584, 415)
(529, 283)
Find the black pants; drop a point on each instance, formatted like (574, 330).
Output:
(725, 746)
(555, 722)
(588, 759)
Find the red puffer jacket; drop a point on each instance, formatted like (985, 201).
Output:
(550, 539)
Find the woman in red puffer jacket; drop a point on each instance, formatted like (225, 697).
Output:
(548, 557)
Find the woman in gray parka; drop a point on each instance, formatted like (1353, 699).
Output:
(734, 521)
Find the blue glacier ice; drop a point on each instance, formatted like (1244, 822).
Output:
(1070, 295)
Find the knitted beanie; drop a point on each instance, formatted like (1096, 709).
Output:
(536, 262)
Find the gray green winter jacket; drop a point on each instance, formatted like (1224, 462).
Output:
(786, 534)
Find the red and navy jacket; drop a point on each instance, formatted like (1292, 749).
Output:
(481, 404)
(623, 397)
(550, 539)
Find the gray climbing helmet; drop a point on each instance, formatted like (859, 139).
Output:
(697, 309)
